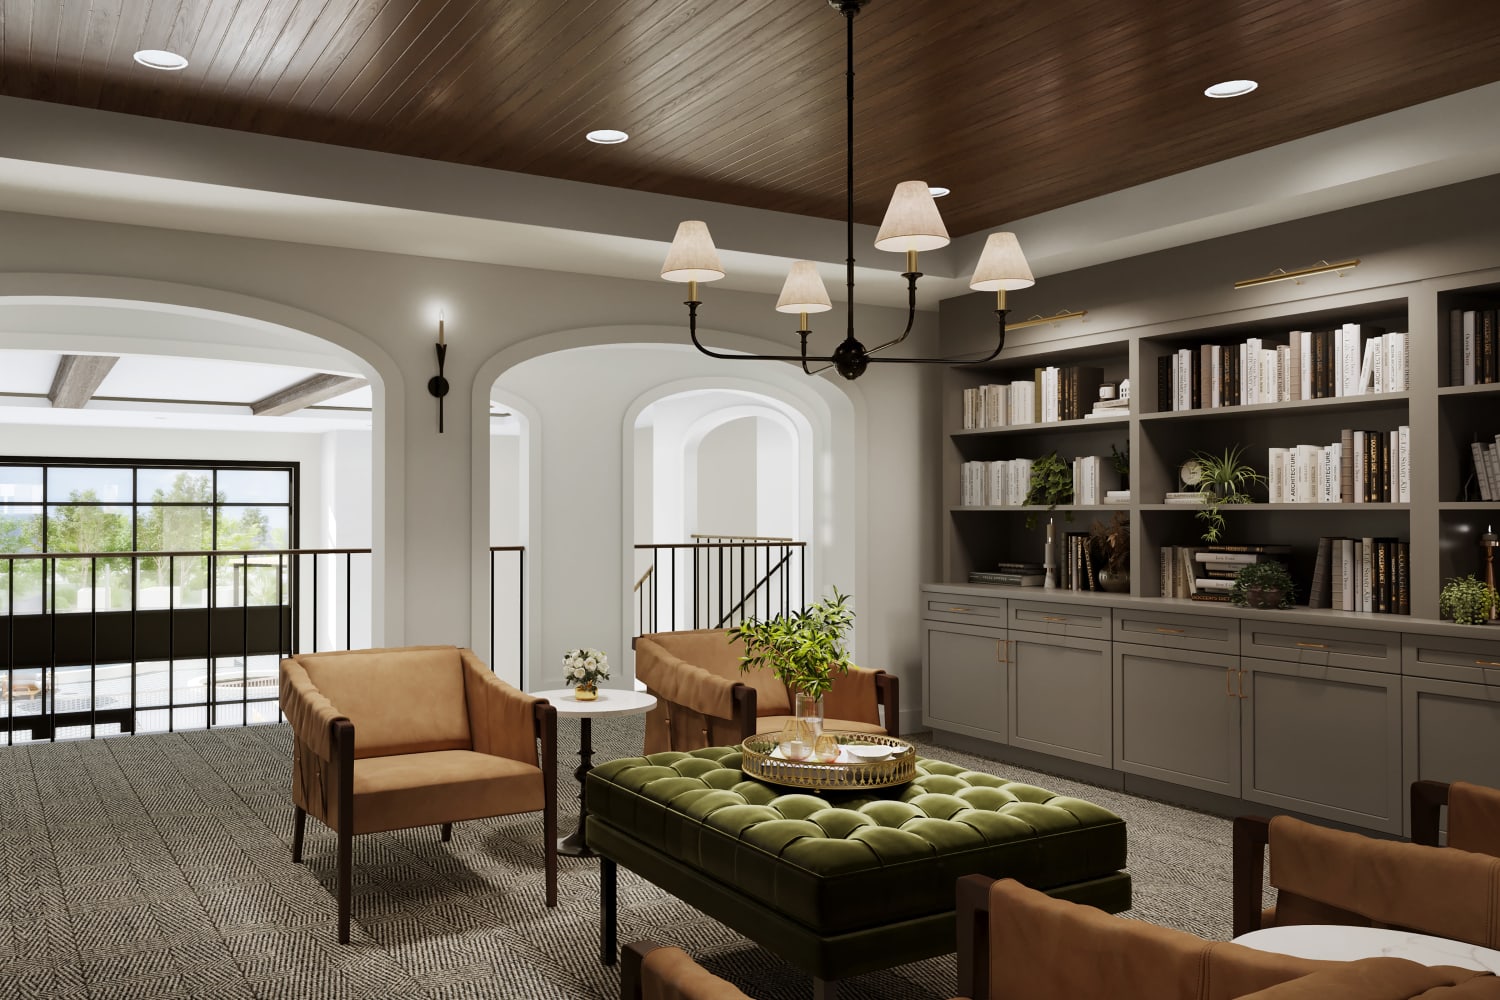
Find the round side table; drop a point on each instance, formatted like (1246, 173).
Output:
(611, 701)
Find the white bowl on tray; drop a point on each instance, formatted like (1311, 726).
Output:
(868, 753)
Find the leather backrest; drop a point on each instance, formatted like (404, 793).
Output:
(711, 650)
(1433, 890)
(407, 700)
(1474, 818)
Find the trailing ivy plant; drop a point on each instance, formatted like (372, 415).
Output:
(1051, 484)
(1225, 479)
(804, 648)
(1466, 600)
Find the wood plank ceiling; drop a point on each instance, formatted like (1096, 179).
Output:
(1019, 107)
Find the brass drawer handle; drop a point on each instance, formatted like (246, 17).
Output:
(1486, 663)
(1242, 693)
(961, 611)
(1312, 645)
(1054, 618)
(1001, 649)
(1229, 682)
(1170, 631)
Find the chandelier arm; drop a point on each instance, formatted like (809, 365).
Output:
(911, 311)
(999, 346)
(693, 332)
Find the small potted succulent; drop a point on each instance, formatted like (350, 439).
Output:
(1263, 585)
(1467, 600)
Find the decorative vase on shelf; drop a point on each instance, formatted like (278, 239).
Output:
(809, 708)
(1115, 581)
(586, 692)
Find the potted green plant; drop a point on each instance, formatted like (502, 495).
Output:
(1051, 484)
(1120, 462)
(1111, 542)
(803, 649)
(1263, 585)
(1224, 480)
(1467, 600)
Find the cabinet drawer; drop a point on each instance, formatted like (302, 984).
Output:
(963, 608)
(1060, 619)
(1197, 632)
(1453, 658)
(1362, 649)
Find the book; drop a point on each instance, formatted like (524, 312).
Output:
(1319, 595)
(1272, 550)
(1403, 578)
(1008, 579)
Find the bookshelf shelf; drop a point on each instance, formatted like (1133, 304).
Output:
(1044, 428)
(1367, 401)
(1492, 389)
(1271, 508)
(1492, 506)
(1037, 509)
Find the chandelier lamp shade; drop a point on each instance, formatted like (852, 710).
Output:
(911, 225)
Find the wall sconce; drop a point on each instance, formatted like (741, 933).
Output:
(438, 385)
(1322, 267)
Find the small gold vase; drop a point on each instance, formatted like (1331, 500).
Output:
(586, 692)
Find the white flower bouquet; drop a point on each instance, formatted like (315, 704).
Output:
(585, 667)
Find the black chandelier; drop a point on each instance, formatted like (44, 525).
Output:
(912, 224)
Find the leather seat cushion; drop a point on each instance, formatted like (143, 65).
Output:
(773, 724)
(842, 861)
(443, 786)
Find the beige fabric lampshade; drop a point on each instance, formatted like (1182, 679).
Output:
(804, 291)
(1002, 266)
(912, 221)
(693, 256)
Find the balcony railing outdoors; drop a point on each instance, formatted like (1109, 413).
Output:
(97, 643)
(717, 581)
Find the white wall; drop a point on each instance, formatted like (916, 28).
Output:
(777, 480)
(722, 496)
(346, 524)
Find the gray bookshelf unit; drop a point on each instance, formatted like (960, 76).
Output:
(1320, 712)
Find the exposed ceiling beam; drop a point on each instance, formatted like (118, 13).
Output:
(313, 389)
(78, 378)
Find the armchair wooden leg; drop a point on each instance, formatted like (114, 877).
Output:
(608, 917)
(345, 860)
(447, 832)
(299, 827)
(1251, 835)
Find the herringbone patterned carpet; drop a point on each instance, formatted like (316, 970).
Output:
(158, 866)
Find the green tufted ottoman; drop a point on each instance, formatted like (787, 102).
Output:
(839, 884)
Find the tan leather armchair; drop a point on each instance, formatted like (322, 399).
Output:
(1326, 876)
(1016, 943)
(1473, 815)
(390, 739)
(704, 700)
(649, 971)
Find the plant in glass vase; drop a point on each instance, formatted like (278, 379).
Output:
(803, 649)
(584, 669)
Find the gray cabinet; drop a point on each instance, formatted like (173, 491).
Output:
(1177, 716)
(1323, 740)
(965, 679)
(1452, 731)
(1061, 696)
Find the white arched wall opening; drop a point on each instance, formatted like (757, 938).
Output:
(108, 314)
(506, 594)
(783, 417)
(579, 574)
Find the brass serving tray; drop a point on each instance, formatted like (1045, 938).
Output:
(898, 769)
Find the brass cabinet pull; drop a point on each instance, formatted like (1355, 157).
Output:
(1054, 618)
(1312, 645)
(1228, 682)
(1242, 693)
(1486, 663)
(1001, 649)
(961, 611)
(1170, 631)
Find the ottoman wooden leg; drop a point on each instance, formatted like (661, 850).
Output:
(608, 918)
(825, 989)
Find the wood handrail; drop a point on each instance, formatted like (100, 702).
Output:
(642, 581)
(721, 545)
(745, 538)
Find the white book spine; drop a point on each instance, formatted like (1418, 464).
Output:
(1346, 565)
(1244, 375)
(1283, 374)
(1359, 467)
(1366, 577)
(1307, 468)
(1275, 487)
(1216, 355)
(1338, 362)
(1351, 355)
(1337, 472)
(1002, 405)
(1381, 370)
(1481, 471)
(971, 397)
(1366, 378)
(1252, 370)
(1393, 474)
(1304, 343)
(1492, 467)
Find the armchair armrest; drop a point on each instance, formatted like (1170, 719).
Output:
(686, 684)
(1251, 835)
(502, 719)
(1427, 801)
(860, 694)
(308, 710)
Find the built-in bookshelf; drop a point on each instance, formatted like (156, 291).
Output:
(1400, 389)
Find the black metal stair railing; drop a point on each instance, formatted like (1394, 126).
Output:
(717, 581)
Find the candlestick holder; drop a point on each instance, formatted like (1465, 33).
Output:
(1050, 583)
(438, 385)
(1489, 541)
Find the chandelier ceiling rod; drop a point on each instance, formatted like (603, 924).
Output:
(912, 224)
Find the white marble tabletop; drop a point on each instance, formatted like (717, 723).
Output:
(1341, 943)
(611, 701)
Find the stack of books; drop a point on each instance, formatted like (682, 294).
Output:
(1185, 497)
(1362, 574)
(1012, 574)
(1117, 496)
(1487, 468)
(1361, 467)
(1093, 477)
(1351, 361)
(1473, 347)
(1052, 394)
(995, 484)
(1109, 408)
(1206, 573)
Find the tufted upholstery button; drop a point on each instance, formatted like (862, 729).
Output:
(841, 861)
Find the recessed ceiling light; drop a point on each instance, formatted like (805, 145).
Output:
(938, 191)
(1231, 88)
(161, 59)
(606, 136)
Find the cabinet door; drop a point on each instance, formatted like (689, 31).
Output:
(1060, 697)
(1177, 716)
(964, 677)
(1324, 741)
(1452, 731)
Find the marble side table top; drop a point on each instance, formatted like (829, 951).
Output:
(1340, 943)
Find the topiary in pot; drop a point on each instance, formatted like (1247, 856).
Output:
(1466, 600)
(1263, 585)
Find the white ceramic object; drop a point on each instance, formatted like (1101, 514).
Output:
(867, 751)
